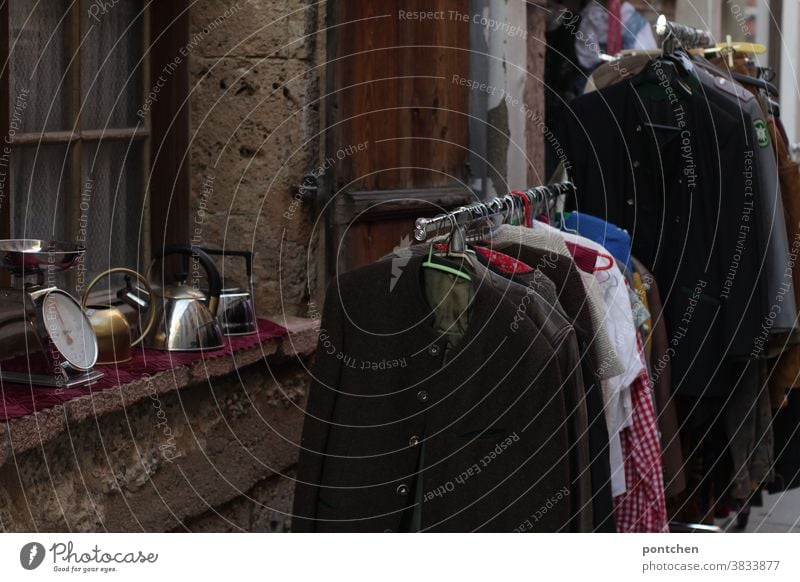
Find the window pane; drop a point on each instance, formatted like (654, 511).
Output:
(111, 71)
(39, 59)
(41, 203)
(111, 204)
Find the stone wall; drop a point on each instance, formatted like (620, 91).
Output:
(254, 135)
(228, 466)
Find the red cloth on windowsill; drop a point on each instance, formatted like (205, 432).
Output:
(17, 400)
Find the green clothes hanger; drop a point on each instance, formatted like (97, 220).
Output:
(445, 268)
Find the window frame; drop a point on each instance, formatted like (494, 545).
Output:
(166, 131)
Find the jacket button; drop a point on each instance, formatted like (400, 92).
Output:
(402, 489)
(677, 219)
(629, 201)
(422, 395)
(434, 350)
(636, 164)
(413, 441)
(387, 531)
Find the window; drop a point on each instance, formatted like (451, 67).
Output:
(78, 148)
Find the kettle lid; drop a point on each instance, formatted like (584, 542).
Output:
(180, 291)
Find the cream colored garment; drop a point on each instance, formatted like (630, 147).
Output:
(544, 236)
(617, 390)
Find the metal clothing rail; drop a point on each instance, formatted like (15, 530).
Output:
(676, 34)
(506, 206)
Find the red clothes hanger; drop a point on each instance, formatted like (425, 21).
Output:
(526, 201)
(610, 260)
(586, 258)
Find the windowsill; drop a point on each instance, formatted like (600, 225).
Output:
(35, 430)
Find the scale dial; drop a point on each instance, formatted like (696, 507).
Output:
(69, 329)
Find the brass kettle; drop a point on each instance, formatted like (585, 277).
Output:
(185, 316)
(114, 338)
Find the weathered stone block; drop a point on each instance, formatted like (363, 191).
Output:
(226, 182)
(234, 89)
(266, 508)
(262, 27)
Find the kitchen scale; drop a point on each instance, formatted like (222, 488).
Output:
(46, 338)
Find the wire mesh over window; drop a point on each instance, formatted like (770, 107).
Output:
(40, 56)
(111, 209)
(79, 167)
(111, 61)
(40, 200)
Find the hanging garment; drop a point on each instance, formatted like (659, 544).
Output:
(572, 296)
(661, 379)
(740, 424)
(509, 267)
(786, 426)
(616, 390)
(562, 337)
(614, 37)
(741, 103)
(642, 508)
(492, 415)
(646, 327)
(636, 33)
(564, 342)
(779, 289)
(787, 371)
(749, 452)
(619, 324)
(535, 280)
(781, 243)
(599, 507)
(578, 293)
(503, 263)
(664, 185)
(762, 466)
(638, 300)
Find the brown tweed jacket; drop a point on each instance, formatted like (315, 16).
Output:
(491, 416)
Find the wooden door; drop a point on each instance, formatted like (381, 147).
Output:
(397, 140)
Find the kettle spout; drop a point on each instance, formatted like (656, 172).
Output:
(138, 298)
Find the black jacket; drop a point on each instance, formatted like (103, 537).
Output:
(492, 416)
(671, 168)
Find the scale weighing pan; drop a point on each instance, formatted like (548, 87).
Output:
(27, 254)
(37, 321)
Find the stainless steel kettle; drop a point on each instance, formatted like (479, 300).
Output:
(186, 317)
(237, 309)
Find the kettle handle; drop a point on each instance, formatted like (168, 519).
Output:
(150, 308)
(214, 280)
(246, 255)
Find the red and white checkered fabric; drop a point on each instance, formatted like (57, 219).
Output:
(642, 508)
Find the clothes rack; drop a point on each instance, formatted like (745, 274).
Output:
(507, 205)
(676, 34)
